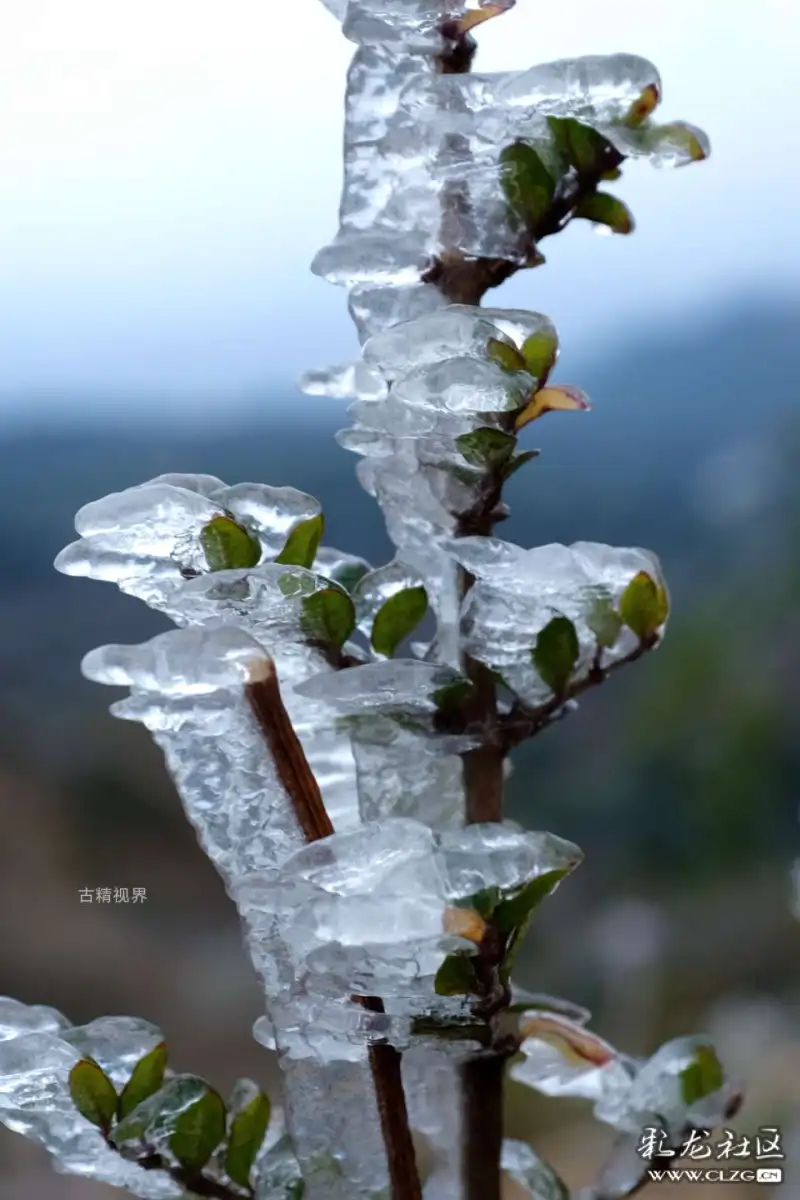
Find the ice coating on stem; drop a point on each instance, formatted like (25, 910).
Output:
(370, 911)
(188, 688)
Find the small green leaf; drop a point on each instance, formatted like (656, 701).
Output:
(644, 606)
(504, 355)
(349, 574)
(583, 147)
(556, 653)
(486, 448)
(228, 545)
(514, 913)
(93, 1093)
(484, 902)
(519, 460)
(456, 976)
(147, 1078)
(303, 542)
(604, 622)
(604, 209)
(396, 618)
(702, 1077)
(328, 617)
(528, 185)
(452, 695)
(540, 352)
(244, 1140)
(198, 1131)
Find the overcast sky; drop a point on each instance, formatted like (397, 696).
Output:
(169, 167)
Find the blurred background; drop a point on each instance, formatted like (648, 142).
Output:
(168, 173)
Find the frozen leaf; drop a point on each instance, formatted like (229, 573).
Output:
(93, 1093)
(329, 617)
(339, 567)
(466, 921)
(604, 621)
(396, 619)
(456, 976)
(302, 544)
(147, 1078)
(513, 914)
(477, 16)
(248, 1128)
(702, 1077)
(486, 448)
(678, 144)
(556, 653)
(556, 398)
(228, 545)
(198, 1131)
(519, 460)
(154, 1119)
(582, 146)
(577, 1045)
(505, 355)
(605, 209)
(646, 104)
(644, 606)
(528, 185)
(540, 352)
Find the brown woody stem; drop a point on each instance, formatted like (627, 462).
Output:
(264, 696)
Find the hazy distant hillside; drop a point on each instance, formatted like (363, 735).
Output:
(626, 472)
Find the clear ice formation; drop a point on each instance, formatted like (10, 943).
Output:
(39, 1048)
(519, 591)
(562, 1058)
(373, 910)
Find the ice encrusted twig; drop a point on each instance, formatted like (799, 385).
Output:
(263, 693)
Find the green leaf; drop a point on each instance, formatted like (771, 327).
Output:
(244, 1140)
(303, 542)
(644, 606)
(519, 460)
(452, 695)
(456, 976)
(583, 147)
(486, 448)
(604, 622)
(228, 545)
(506, 356)
(604, 209)
(147, 1078)
(349, 573)
(328, 617)
(702, 1077)
(528, 185)
(93, 1093)
(540, 352)
(556, 653)
(198, 1131)
(484, 902)
(396, 618)
(514, 913)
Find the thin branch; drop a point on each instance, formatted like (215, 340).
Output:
(264, 695)
(194, 1182)
(524, 722)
